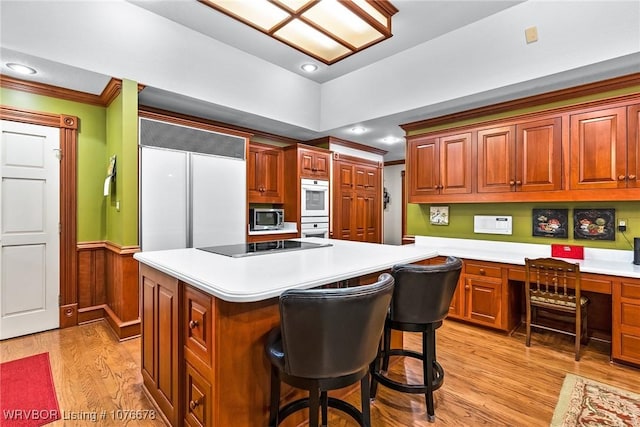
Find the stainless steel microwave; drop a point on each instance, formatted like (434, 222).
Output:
(266, 219)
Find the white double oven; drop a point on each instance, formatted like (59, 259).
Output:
(315, 208)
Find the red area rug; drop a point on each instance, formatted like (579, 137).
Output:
(27, 395)
(584, 402)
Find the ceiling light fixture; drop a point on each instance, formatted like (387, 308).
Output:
(390, 140)
(309, 68)
(19, 68)
(358, 130)
(327, 30)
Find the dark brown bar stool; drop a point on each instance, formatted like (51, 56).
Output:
(326, 340)
(421, 299)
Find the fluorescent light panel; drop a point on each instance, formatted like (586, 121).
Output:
(328, 30)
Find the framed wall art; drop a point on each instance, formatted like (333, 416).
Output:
(594, 224)
(439, 215)
(550, 223)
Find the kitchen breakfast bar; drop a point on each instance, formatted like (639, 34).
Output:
(205, 316)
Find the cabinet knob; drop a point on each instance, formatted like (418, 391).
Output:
(518, 182)
(482, 272)
(193, 324)
(512, 182)
(193, 404)
(632, 177)
(466, 286)
(621, 177)
(314, 170)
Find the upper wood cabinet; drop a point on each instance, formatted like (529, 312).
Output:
(442, 165)
(599, 149)
(314, 164)
(265, 174)
(538, 157)
(522, 157)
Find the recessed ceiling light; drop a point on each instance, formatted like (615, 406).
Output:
(390, 140)
(309, 68)
(22, 69)
(358, 130)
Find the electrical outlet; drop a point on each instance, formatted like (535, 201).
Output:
(622, 225)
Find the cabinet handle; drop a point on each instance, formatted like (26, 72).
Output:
(193, 324)
(621, 177)
(512, 182)
(193, 404)
(632, 177)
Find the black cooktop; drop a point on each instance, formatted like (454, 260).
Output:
(260, 248)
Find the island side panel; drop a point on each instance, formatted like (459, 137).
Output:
(242, 368)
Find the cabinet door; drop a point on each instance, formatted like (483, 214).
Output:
(265, 175)
(598, 149)
(625, 337)
(198, 323)
(539, 155)
(321, 162)
(496, 155)
(159, 358)
(483, 300)
(456, 308)
(346, 177)
(423, 167)
(633, 147)
(372, 217)
(343, 215)
(455, 164)
(313, 164)
(359, 219)
(198, 410)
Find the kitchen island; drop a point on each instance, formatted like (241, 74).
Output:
(205, 316)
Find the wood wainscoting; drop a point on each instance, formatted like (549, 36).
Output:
(108, 287)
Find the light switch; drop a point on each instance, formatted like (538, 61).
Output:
(531, 34)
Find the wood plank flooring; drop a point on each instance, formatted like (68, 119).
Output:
(491, 379)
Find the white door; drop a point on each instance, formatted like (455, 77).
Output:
(29, 229)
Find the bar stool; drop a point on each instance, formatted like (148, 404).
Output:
(327, 340)
(421, 299)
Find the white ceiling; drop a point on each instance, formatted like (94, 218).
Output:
(445, 56)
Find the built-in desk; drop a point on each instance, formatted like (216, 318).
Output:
(490, 291)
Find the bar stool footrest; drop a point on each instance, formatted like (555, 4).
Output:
(438, 374)
(332, 402)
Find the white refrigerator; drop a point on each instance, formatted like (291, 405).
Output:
(190, 199)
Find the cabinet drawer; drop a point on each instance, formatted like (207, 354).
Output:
(198, 323)
(481, 269)
(630, 315)
(198, 401)
(630, 290)
(630, 348)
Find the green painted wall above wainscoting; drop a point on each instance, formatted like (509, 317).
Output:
(461, 222)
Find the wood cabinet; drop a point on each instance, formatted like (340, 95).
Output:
(197, 330)
(482, 295)
(314, 163)
(625, 339)
(523, 157)
(160, 344)
(357, 200)
(265, 174)
(442, 164)
(551, 155)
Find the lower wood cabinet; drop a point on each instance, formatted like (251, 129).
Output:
(625, 339)
(198, 398)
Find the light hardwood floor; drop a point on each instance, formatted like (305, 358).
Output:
(491, 379)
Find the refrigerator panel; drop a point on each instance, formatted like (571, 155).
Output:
(218, 200)
(163, 199)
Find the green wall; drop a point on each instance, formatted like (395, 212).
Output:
(122, 140)
(461, 222)
(90, 155)
(101, 133)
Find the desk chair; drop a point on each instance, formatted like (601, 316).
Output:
(547, 282)
(421, 300)
(326, 340)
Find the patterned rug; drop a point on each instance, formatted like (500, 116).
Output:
(584, 402)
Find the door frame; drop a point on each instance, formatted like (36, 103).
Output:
(68, 126)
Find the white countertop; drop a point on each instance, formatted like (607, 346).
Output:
(599, 261)
(259, 277)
